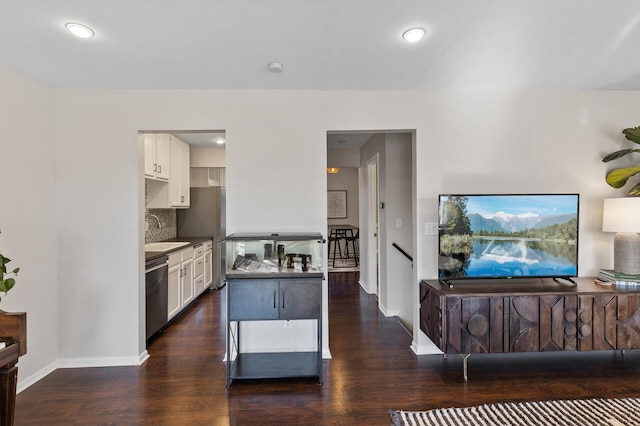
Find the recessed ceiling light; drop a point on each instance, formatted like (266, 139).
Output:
(413, 35)
(220, 141)
(79, 30)
(342, 141)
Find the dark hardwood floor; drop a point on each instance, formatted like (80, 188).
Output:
(372, 371)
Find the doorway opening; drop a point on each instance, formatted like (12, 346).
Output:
(386, 192)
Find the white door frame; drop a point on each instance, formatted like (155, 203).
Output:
(373, 233)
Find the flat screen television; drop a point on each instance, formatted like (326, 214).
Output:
(508, 236)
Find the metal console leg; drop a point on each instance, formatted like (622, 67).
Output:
(465, 357)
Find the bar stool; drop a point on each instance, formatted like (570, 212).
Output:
(334, 241)
(353, 239)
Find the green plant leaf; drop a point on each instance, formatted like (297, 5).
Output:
(618, 177)
(618, 154)
(633, 134)
(8, 284)
(635, 190)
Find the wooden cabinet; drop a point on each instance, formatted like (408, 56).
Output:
(13, 329)
(157, 154)
(272, 299)
(550, 316)
(273, 277)
(179, 182)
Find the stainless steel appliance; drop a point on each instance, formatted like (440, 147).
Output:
(157, 292)
(206, 218)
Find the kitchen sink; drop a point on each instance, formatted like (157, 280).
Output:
(164, 246)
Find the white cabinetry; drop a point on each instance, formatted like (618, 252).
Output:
(202, 267)
(186, 284)
(174, 278)
(180, 281)
(203, 177)
(198, 269)
(180, 174)
(172, 191)
(157, 150)
(208, 264)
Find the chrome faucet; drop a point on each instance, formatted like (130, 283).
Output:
(157, 219)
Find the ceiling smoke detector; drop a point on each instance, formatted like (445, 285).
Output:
(275, 67)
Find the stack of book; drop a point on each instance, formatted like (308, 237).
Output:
(619, 279)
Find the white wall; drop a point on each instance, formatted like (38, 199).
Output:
(513, 142)
(346, 180)
(343, 158)
(398, 226)
(208, 157)
(374, 147)
(395, 179)
(465, 141)
(28, 215)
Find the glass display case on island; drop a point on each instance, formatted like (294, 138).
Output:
(273, 276)
(271, 255)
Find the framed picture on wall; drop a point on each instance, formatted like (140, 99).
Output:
(336, 204)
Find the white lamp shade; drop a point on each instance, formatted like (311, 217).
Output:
(621, 215)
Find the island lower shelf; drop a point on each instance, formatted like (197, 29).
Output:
(275, 364)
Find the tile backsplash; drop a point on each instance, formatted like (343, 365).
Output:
(164, 227)
(164, 230)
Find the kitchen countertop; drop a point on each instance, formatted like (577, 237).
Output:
(191, 240)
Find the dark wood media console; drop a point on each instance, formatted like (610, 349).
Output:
(529, 316)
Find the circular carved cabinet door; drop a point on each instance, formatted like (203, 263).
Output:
(478, 325)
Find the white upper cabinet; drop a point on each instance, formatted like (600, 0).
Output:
(179, 182)
(172, 191)
(157, 151)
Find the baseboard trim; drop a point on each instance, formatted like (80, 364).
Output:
(425, 349)
(35, 377)
(101, 362)
(364, 287)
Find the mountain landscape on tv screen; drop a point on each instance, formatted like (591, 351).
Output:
(505, 222)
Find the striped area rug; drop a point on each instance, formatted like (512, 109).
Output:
(578, 412)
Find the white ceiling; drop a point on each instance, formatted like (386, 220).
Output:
(326, 44)
(202, 139)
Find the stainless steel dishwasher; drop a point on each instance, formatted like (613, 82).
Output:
(156, 279)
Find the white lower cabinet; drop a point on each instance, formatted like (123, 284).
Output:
(208, 268)
(186, 284)
(189, 275)
(198, 268)
(181, 290)
(175, 276)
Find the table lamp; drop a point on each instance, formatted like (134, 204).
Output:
(622, 216)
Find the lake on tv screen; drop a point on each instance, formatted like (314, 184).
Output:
(520, 257)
